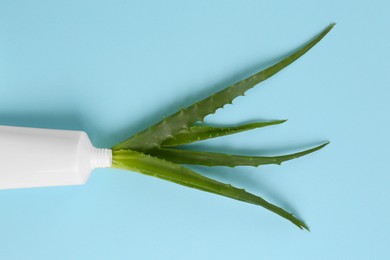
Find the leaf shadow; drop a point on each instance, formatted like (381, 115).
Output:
(251, 182)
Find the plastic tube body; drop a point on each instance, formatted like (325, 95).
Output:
(35, 157)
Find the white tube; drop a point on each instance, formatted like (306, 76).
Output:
(34, 157)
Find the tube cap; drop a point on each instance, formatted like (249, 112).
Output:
(101, 158)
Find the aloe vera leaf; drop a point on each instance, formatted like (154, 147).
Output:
(203, 132)
(219, 159)
(154, 136)
(149, 165)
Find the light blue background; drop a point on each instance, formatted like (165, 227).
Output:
(112, 68)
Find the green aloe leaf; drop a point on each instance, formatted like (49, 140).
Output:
(218, 159)
(154, 136)
(149, 165)
(202, 132)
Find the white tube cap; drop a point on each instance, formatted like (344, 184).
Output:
(101, 158)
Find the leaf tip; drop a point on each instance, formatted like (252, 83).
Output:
(281, 121)
(320, 146)
(305, 227)
(329, 28)
(302, 225)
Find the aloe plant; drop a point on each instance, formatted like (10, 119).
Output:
(156, 151)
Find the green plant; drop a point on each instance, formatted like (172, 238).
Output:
(154, 150)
